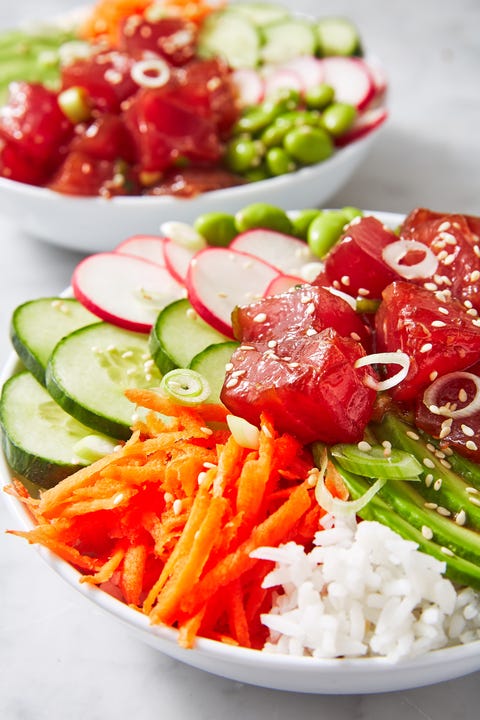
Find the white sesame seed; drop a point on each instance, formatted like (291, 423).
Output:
(412, 435)
(311, 331)
(363, 292)
(430, 505)
(426, 347)
(272, 343)
(177, 507)
(474, 501)
(201, 476)
(209, 465)
(470, 445)
(471, 490)
(260, 318)
(345, 280)
(206, 430)
(364, 446)
(430, 286)
(428, 479)
(447, 551)
(443, 511)
(443, 310)
(231, 383)
(467, 430)
(461, 517)
(428, 463)
(427, 532)
(438, 323)
(228, 367)
(437, 484)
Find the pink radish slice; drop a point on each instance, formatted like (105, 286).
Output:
(148, 247)
(282, 79)
(124, 290)
(285, 252)
(351, 80)
(365, 123)
(379, 77)
(220, 278)
(177, 259)
(283, 283)
(309, 69)
(249, 86)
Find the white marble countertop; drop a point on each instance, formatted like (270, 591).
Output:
(60, 657)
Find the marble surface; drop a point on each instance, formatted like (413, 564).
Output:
(60, 657)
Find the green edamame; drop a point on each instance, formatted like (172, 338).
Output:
(324, 231)
(308, 145)
(320, 96)
(243, 154)
(262, 215)
(351, 212)
(217, 228)
(279, 162)
(302, 220)
(339, 117)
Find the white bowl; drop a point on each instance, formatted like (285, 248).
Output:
(296, 674)
(98, 224)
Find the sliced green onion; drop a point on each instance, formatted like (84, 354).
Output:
(75, 104)
(185, 386)
(335, 506)
(246, 434)
(377, 461)
(93, 447)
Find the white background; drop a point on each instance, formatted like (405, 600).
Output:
(60, 657)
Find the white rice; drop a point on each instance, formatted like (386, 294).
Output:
(364, 591)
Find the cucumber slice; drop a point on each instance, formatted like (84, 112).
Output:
(261, 13)
(337, 36)
(288, 39)
(231, 36)
(210, 363)
(38, 325)
(38, 437)
(178, 335)
(90, 369)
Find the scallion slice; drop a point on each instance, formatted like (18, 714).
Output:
(377, 462)
(187, 387)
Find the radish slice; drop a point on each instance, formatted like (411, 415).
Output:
(148, 247)
(282, 79)
(351, 79)
(248, 85)
(365, 123)
(220, 278)
(177, 259)
(283, 283)
(124, 290)
(310, 70)
(285, 252)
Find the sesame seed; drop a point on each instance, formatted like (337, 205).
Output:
(231, 383)
(168, 497)
(222, 294)
(471, 490)
(206, 430)
(209, 465)
(445, 225)
(428, 479)
(467, 430)
(310, 309)
(475, 275)
(228, 366)
(462, 395)
(461, 517)
(202, 475)
(431, 505)
(345, 280)
(430, 286)
(266, 431)
(443, 511)
(474, 501)
(355, 336)
(445, 463)
(272, 343)
(177, 507)
(437, 484)
(427, 532)
(443, 310)
(311, 331)
(426, 347)
(238, 373)
(118, 498)
(428, 463)
(363, 292)
(247, 347)
(438, 323)
(470, 445)
(364, 446)
(412, 435)
(260, 318)
(447, 551)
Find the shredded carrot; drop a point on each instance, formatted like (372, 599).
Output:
(172, 516)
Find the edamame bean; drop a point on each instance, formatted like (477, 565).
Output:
(262, 215)
(256, 119)
(308, 145)
(301, 221)
(320, 96)
(351, 212)
(279, 162)
(243, 154)
(324, 231)
(338, 118)
(217, 228)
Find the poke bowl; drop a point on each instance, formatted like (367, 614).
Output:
(408, 541)
(116, 120)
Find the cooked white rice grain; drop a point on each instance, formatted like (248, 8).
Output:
(364, 591)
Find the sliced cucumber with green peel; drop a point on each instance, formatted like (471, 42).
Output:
(288, 39)
(178, 335)
(38, 325)
(38, 437)
(261, 13)
(337, 36)
(231, 36)
(210, 363)
(89, 371)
